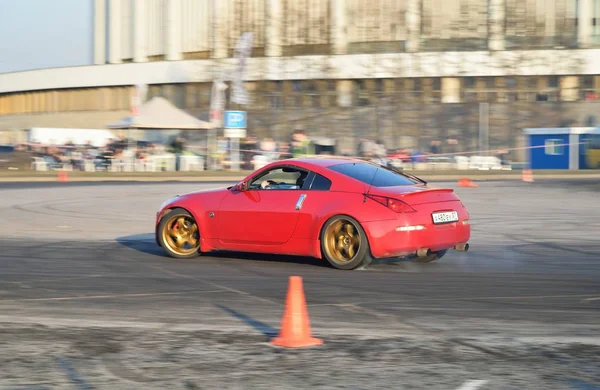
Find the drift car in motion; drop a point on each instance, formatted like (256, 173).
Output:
(345, 210)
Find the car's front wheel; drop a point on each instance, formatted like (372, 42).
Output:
(344, 243)
(179, 235)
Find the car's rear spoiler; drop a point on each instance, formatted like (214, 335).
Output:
(429, 195)
(426, 191)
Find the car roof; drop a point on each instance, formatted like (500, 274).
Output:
(318, 164)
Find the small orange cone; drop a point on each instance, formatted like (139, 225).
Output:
(464, 182)
(62, 176)
(527, 175)
(295, 325)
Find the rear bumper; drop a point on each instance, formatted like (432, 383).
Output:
(386, 241)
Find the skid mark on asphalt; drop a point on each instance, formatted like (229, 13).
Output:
(392, 319)
(50, 205)
(70, 278)
(359, 309)
(478, 310)
(240, 292)
(458, 299)
(109, 296)
(431, 332)
(81, 215)
(26, 286)
(119, 369)
(86, 322)
(548, 244)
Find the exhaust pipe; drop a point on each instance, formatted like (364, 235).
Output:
(462, 247)
(423, 252)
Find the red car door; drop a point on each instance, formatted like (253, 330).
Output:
(259, 217)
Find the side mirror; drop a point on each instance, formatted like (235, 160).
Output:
(243, 186)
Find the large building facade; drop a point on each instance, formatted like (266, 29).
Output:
(407, 72)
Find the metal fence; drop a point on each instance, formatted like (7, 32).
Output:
(409, 121)
(486, 119)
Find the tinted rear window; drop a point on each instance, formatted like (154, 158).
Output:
(372, 175)
(320, 183)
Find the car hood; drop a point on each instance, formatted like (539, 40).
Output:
(200, 193)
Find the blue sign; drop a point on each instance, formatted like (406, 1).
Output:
(235, 120)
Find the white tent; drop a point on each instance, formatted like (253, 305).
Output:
(158, 113)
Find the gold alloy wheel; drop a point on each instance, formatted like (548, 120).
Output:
(180, 235)
(342, 241)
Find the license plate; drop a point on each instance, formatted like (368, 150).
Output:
(445, 217)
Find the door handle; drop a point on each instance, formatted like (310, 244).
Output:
(300, 201)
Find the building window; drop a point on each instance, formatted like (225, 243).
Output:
(554, 147)
(469, 82)
(275, 100)
(588, 82)
(510, 82)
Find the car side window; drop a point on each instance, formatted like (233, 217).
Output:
(320, 183)
(285, 178)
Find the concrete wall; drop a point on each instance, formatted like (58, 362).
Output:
(358, 66)
(81, 120)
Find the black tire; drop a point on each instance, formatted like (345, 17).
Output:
(168, 243)
(362, 255)
(431, 257)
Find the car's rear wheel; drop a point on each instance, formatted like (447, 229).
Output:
(433, 256)
(344, 243)
(179, 235)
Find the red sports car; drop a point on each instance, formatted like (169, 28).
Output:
(345, 210)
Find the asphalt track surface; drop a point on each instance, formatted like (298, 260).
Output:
(87, 300)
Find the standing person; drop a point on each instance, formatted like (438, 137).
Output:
(222, 151)
(301, 146)
(177, 147)
(268, 148)
(380, 149)
(415, 156)
(434, 147)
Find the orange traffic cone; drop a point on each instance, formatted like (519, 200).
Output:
(464, 182)
(62, 176)
(527, 175)
(295, 325)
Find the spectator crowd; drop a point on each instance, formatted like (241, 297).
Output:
(177, 153)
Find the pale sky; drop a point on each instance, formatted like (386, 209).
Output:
(45, 33)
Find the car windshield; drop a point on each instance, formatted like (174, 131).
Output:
(377, 176)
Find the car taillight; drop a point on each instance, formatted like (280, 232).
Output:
(393, 204)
